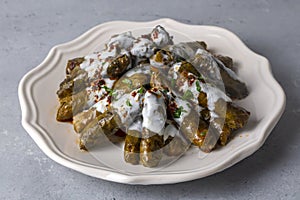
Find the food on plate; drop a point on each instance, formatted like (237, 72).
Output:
(133, 142)
(159, 97)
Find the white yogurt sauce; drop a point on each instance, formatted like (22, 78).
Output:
(136, 126)
(145, 69)
(109, 82)
(100, 61)
(104, 69)
(123, 41)
(128, 106)
(154, 112)
(108, 53)
(93, 56)
(170, 130)
(210, 65)
(143, 47)
(91, 64)
(185, 111)
(94, 96)
(154, 63)
(213, 95)
(102, 105)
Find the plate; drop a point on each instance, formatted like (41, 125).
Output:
(37, 95)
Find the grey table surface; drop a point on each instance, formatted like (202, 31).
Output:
(30, 29)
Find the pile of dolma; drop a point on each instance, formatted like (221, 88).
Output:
(157, 96)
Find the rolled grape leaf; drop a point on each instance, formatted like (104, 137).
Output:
(71, 105)
(98, 131)
(194, 128)
(70, 87)
(82, 119)
(227, 118)
(234, 88)
(175, 144)
(72, 64)
(154, 118)
(118, 66)
(132, 143)
(151, 148)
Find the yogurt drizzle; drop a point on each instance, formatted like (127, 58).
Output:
(154, 112)
(128, 106)
(213, 93)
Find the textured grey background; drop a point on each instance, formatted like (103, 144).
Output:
(29, 30)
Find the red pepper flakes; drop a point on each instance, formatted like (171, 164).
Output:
(172, 106)
(155, 34)
(134, 93)
(109, 99)
(191, 80)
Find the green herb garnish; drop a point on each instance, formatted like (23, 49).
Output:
(128, 103)
(141, 90)
(178, 112)
(109, 90)
(114, 95)
(198, 87)
(188, 95)
(203, 133)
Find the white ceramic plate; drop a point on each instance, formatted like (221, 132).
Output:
(37, 94)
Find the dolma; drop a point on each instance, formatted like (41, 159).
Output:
(175, 144)
(98, 131)
(154, 118)
(118, 66)
(132, 143)
(71, 105)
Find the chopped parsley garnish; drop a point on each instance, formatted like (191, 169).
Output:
(109, 90)
(178, 112)
(198, 87)
(141, 90)
(187, 95)
(114, 95)
(127, 82)
(203, 133)
(128, 103)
